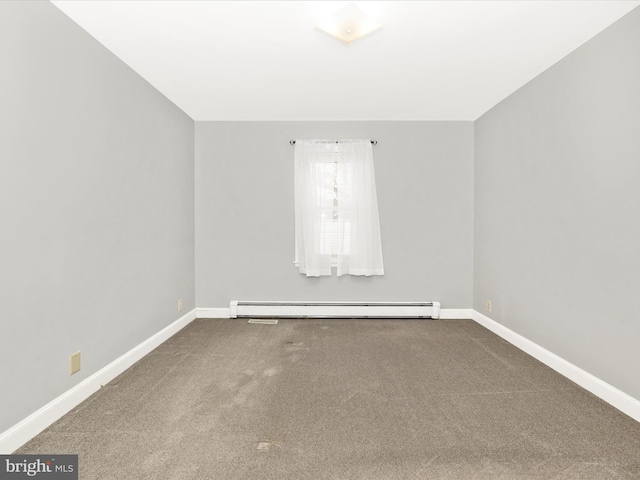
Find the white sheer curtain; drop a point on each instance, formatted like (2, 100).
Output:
(336, 208)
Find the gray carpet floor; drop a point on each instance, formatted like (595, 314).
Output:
(343, 399)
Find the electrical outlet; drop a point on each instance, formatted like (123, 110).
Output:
(180, 305)
(74, 363)
(489, 306)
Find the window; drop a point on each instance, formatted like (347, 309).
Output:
(336, 208)
(335, 225)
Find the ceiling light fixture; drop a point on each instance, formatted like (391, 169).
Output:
(349, 24)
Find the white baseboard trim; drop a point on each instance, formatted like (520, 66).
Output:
(617, 398)
(213, 313)
(456, 313)
(25, 430)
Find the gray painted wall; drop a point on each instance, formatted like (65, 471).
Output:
(245, 216)
(96, 202)
(557, 207)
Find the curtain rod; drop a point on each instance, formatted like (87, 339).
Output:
(373, 142)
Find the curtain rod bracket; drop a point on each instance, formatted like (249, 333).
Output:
(373, 142)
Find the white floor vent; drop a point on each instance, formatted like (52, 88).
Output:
(263, 321)
(258, 309)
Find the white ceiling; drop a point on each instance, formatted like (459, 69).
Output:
(265, 60)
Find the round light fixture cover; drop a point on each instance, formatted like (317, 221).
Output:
(349, 24)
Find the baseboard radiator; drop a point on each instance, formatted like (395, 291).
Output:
(258, 309)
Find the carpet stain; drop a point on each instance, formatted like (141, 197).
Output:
(270, 372)
(263, 446)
